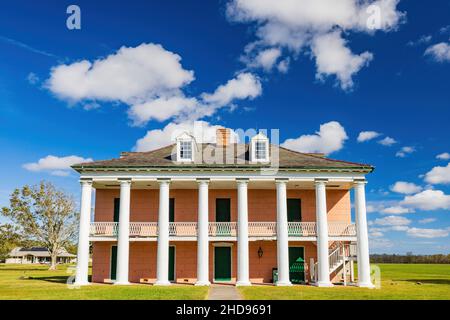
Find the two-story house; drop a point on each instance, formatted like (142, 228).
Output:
(223, 212)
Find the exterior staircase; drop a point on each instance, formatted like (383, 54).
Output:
(341, 257)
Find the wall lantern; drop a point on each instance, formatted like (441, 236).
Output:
(260, 252)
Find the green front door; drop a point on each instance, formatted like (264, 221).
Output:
(222, 263)
(171, 263)
(297, 264)
(113, 264)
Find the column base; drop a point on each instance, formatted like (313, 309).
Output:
(121, 283)
(243, 283)
(283, 284)
(324, 284)
(162, 283)
(368, 285)
(81, 283)
(202, 283)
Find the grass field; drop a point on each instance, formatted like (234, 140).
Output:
(398, 281)
(37, 283)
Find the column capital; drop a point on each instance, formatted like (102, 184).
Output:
(124, 181)
(359, 181)
(163, 181)
(86, 181)
(281, 180)
(319, 181)
(242, 180)
(203, 180)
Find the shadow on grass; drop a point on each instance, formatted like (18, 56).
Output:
(430, 281)
(53, 279)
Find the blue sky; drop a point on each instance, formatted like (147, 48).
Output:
(329, 72)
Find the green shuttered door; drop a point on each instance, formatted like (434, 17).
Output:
(113, 264)
(171, 263)
(222, 263)
(296, 264)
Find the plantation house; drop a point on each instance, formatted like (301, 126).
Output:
(262, 214)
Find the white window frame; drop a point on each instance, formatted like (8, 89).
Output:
(259, 139)
(185, 139)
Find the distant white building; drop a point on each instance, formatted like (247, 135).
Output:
(37, 255)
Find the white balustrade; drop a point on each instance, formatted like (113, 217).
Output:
(222, 229)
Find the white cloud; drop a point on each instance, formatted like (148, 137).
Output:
(428, 200)
(379, 243)
(334, 58)
(395, 210)
(330, 138)
(265, 59)
(150, 80)
(388, 141)
(438, 175)
(307, 24)
(245, 85)
(443, 156)
(440, 52)
(58, 166)
(405, 187)
(367, 135)
(427, 233)
(423, 39)
(203, 132)
(131, 75)
(427, 220)
(392, 221)
(405, 151)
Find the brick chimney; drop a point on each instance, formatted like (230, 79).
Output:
(222, 137)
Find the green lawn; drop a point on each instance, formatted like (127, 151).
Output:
(398, 281)
(36, 282)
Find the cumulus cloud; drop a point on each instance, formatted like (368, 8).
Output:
(150, 80)
(334, 58)
(367, 135)
(443, 156)
(202, 131)
(387, 142)
(316, 26)
(395, 210)
(423, 39)
(58, 166)
(265, 59)
(427, 233)
(428, 200)
(330, 138)
(404, 151)
(427, 220)
(405, 187)
(438, 175)
(392, 221)
(440, 52)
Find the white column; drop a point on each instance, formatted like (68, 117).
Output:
(323, 271)
(282, 235)
(203, 235)
(162, 262)
(242, 236)
(362, 235)
(123, 239)
(81, 277)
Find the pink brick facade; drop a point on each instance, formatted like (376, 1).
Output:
(262, 206)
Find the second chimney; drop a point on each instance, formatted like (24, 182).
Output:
(222, 137)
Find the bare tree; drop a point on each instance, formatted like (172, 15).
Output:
(44, 214)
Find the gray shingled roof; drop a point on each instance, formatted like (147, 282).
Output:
(162, 158)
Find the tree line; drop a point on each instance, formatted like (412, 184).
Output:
(410, 258)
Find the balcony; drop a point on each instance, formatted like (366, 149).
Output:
(148, 231)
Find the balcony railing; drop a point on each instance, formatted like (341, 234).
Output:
(222, 229)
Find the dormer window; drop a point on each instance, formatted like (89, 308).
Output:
(185, 148)
(259, 148)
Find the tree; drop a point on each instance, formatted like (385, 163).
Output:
(45, 214)
(9, 239)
